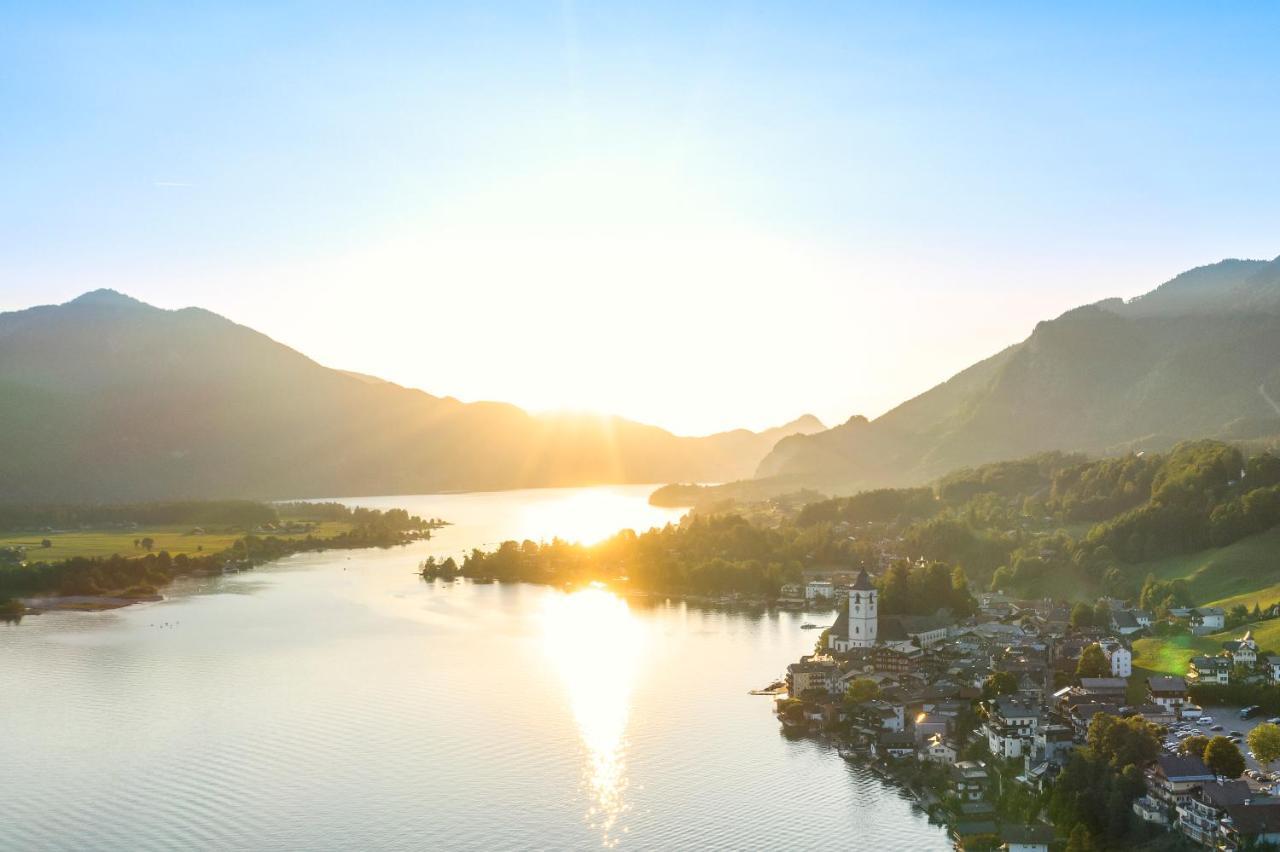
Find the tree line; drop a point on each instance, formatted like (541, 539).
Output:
(140, 575)
(223, 513)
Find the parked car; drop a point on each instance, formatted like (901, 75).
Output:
(1216, 728)
(1204, 720)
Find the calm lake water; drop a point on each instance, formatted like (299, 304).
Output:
(336, 701)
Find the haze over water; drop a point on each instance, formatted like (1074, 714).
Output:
(336, 701)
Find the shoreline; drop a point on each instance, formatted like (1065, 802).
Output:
(38, 604)
(83, 603)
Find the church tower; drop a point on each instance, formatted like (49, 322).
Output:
(863, 598)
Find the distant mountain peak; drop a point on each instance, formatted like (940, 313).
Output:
(1228, 286)
(108, 398)
(1195, 357)
(806, 423)
(107, 297)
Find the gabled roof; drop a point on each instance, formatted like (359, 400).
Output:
(1184, 768)
(1255, 818)
(1220, 794)
(840, 629)
(1166, 684)
(1014, 834)
(1117, 684)
(1123, 619)
(1007, 706)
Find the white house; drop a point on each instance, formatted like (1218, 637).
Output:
(1124, 622)
(1170, 692)
(1120, 658)
(1243, 651)
(820, 590)
(892, 716)
(1208, 619)
(818, 672)
(1215, 670)
(1273, 669)
(969, 780)
(1010, 722)
(939, 750)
(894, 744)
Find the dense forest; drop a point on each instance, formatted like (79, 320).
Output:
(705, 555)
(1054, 524)
(713, 555)
(1058, 523)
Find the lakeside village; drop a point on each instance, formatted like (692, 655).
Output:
(979, 719)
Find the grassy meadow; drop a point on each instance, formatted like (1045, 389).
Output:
(108, 542)
(1170, 654)
(1246, 572)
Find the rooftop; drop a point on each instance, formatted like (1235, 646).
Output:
(1183, 768)
(1254, 818)
(1166, 684)
(1014, 834)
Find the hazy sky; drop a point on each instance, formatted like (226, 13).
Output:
(702, 215)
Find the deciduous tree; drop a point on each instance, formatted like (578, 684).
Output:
(999, 683)
(861, 691)
(1222, 756)
(1264, 742)
(1093, 663)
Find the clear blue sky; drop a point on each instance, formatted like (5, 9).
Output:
(701, 215)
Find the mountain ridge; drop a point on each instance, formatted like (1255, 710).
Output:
(1185, 360)
(109, 398)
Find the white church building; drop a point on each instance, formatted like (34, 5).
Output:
(859, 624)
(856, 626)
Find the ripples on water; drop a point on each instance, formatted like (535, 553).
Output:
(334, 701)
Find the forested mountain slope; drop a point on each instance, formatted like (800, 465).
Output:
(1199, 357)
(107, 398)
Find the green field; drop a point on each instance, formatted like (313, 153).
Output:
(1170, 654)
(176, 540)
(1244, 572)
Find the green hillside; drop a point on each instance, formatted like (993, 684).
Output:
(1245, 572)
(1192, 359)
(1171, 654)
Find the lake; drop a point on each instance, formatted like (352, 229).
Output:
(337, 701)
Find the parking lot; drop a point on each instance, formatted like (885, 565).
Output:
(1229, 719)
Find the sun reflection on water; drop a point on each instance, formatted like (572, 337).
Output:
(596, 645)
(589, 515)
